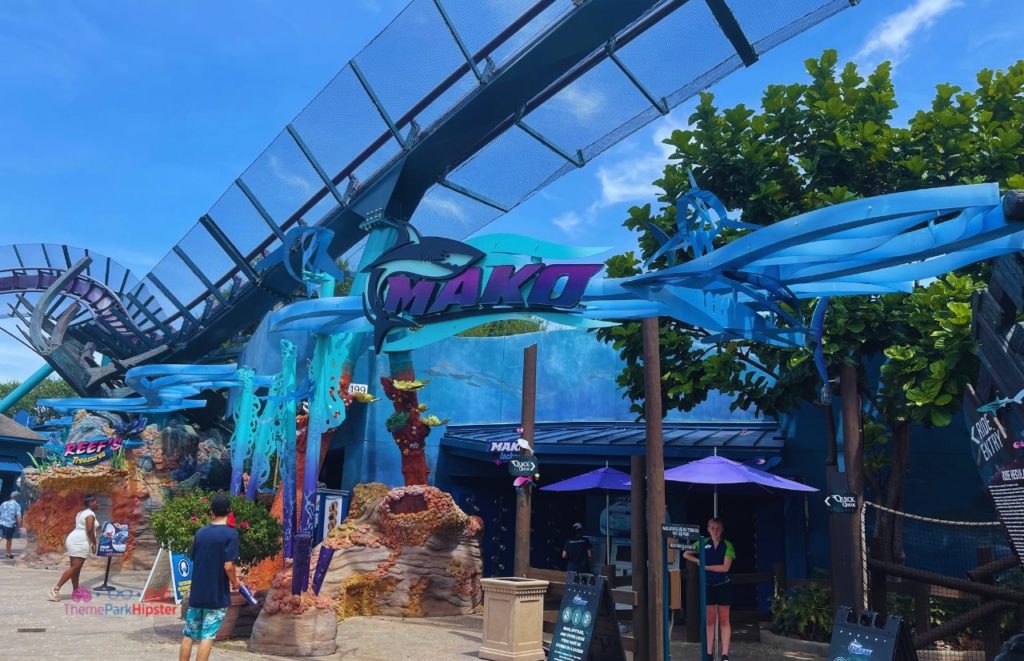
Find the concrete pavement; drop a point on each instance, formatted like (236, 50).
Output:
(33, 628)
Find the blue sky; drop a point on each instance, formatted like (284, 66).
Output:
(122, 122)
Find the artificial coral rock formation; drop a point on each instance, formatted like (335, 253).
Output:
(172, 458)
(405, 552)
(408, 429)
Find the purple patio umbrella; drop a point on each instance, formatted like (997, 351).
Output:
(715, 470)
(605, 478)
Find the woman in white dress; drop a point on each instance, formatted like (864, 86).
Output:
(80, 543)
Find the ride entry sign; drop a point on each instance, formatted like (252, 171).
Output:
(586, 628)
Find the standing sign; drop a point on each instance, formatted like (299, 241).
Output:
(1009, 501)
(181, 574)
(586, 628)
(861, 637)
(113, 539)
(170, 578)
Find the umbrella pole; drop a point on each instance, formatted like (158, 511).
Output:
(607, 533)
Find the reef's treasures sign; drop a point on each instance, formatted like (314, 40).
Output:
(430, 279)
(87, 453)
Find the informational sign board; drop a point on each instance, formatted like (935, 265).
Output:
(181, 574)
(586, 628)
(113, 539)
(1009, 501)
(841, 502)
(863, 637)
(522, 466)
(681, 532)
(331, 510)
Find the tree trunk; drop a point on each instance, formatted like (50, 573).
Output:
(889, 528)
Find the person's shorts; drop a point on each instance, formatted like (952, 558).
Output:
(719, 595)
(203, 623)
(7, 532)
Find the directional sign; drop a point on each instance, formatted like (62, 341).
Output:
(688, 533)
(522, 466)
(841, 502)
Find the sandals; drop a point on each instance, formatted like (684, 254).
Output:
(55, 593)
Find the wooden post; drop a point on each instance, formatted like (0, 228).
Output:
(638, 551)
(879, 583)
(990, 626)
(853, 452)
(524, 496)
(922, 608)
(655, 489)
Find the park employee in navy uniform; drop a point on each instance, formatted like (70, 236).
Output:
(718, 556)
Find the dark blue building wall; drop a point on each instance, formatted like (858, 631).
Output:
(942, 482)
(479, 380)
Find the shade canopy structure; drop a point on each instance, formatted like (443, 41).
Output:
(602, 478)
(605, 478)
(716, 472)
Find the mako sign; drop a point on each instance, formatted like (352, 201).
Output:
(430, 279)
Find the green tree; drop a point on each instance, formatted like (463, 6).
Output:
(503, 327)
(812, 144)
(50, 388)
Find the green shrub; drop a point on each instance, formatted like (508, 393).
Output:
(804, 612)
(175, 525)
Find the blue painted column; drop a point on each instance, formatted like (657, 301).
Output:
(25, 387)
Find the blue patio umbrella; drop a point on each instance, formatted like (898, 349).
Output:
(605, 478)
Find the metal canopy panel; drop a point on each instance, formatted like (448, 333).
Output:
(414, 74)
(456, 112)
(682, 439)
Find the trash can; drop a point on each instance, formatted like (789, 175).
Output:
(513, 619)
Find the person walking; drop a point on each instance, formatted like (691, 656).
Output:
(10, 520)
(214, 553)
(79, 543)
(577, 551)
(718, 557)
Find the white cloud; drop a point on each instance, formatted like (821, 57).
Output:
(893, 38)
(287, 177)
(629, 179)
(445, 207)
(581, 102)
(568, 221)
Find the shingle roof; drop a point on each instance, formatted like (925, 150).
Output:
(11, 429)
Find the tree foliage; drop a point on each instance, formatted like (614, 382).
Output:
(816, 143)
(49, 388)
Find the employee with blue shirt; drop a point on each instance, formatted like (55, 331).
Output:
(214, 553)
(718, 556)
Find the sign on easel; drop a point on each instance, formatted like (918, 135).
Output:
(170, 578)
(586, 628)
(862, 636)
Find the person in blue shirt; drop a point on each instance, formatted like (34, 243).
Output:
(214, 553)
(576, 551)
(718, 557)
(10, 520)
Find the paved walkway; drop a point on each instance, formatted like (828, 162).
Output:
(33, 628)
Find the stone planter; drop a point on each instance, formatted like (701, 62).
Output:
(227, 627)
(513, 619)
(312, 633)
